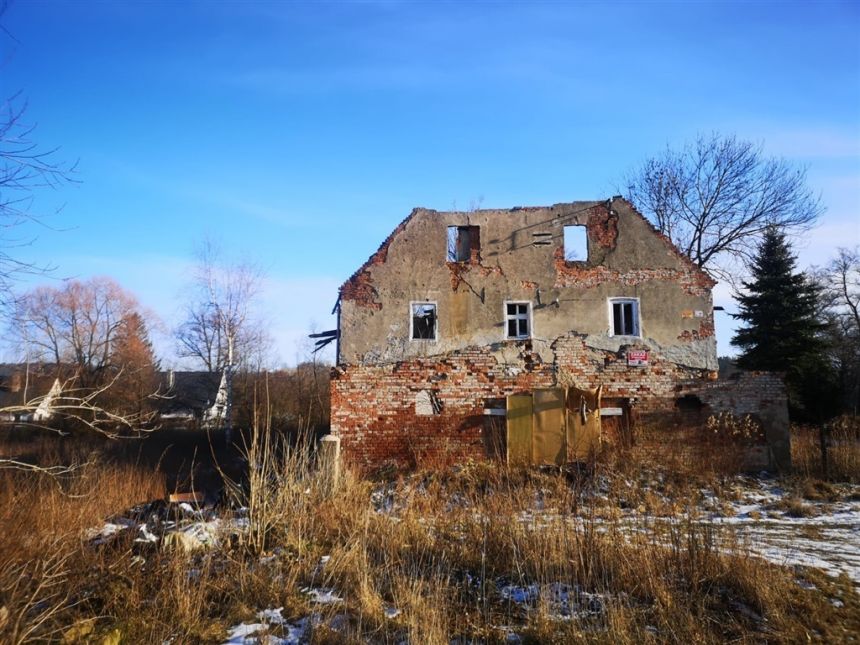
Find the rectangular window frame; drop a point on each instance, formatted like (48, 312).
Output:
(637, 317)
(412, 338)
(507, 317)
(457, 252)
(566, 251)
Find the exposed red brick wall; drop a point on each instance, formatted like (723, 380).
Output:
(602, 227)
(579, 274)
(373, 406)
(696, 448)
(748, 393)
(360, 289)
(705, 330)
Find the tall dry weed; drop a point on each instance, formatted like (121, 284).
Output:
(614, 552)
(841, 459)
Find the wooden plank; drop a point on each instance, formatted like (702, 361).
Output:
(519, 429)
(548, 440)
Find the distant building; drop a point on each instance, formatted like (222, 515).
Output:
(198, 397)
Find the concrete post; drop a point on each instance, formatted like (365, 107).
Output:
(330, 461)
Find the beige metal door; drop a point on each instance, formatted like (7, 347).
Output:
(519, 429)
(548, 436)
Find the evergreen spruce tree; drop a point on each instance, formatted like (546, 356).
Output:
(782, 331)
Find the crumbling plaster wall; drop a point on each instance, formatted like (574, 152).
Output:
(626, 258)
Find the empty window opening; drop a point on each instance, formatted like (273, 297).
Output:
(575, 244)
(462, 240)
(541, 239)
(625, 317)
(517, 319)
(423, 321)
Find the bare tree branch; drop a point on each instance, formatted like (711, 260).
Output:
(715, 198)
(221, 313)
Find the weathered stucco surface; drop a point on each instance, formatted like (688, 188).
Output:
(626, 258)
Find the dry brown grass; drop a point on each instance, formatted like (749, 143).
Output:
(439, 546)
(843, 451)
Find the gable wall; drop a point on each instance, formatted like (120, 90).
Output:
(626, 259)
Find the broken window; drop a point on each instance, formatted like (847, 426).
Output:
(423, 321)
(625, 316)
(462, 240)
(575, 244)
(517, 319)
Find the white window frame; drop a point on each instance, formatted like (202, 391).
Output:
(529, 317)
(585, 240)
(637, 318)
(435, 322)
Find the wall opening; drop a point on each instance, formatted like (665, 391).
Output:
(575, 244)
(423, 321)
(462, 241)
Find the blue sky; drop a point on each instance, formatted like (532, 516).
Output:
(300, 134)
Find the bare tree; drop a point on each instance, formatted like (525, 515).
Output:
(221, 330)
(25, 169)
(76, 325)
(87, 365)
(221, 325)
(715, 198)
(844, 287)
(840, 282)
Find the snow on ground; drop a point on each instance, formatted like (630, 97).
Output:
(180, 526)
(322, 596)
(271, 622)
(764, 517)
(565, 602)
(826, 535)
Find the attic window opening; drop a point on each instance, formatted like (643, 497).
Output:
(625, 316)
(423, 321)
(462, 241)
(517, 320)
(575, 244)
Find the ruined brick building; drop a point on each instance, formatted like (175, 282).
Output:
(457, 310)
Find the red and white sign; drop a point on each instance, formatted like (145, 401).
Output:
(637, 357)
